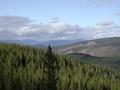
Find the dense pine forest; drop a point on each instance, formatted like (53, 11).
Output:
(27, 68)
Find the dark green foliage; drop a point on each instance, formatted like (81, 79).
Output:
(50, 69)
(27, 68)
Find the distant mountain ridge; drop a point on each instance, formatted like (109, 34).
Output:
(37, 43)
(106, 47)
(56, 43)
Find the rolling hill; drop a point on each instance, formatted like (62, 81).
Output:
(106, 47)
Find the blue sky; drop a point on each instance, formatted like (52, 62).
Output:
(84, 13)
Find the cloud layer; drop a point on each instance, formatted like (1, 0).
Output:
(99, 3)
(17, 27)
(118, 14)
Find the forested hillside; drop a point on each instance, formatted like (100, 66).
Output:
(113, 62)
(27, 68)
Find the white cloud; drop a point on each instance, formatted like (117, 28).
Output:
(105, 29)
(105, 23)
(16, 27)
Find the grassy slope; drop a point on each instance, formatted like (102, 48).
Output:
(107, 47)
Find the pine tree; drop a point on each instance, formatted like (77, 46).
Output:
(51, 67)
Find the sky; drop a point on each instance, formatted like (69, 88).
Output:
(59, 19)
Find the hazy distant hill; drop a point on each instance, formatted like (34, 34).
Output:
(22, 42)
(41, 44)
(106, 47)
(56, 43)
